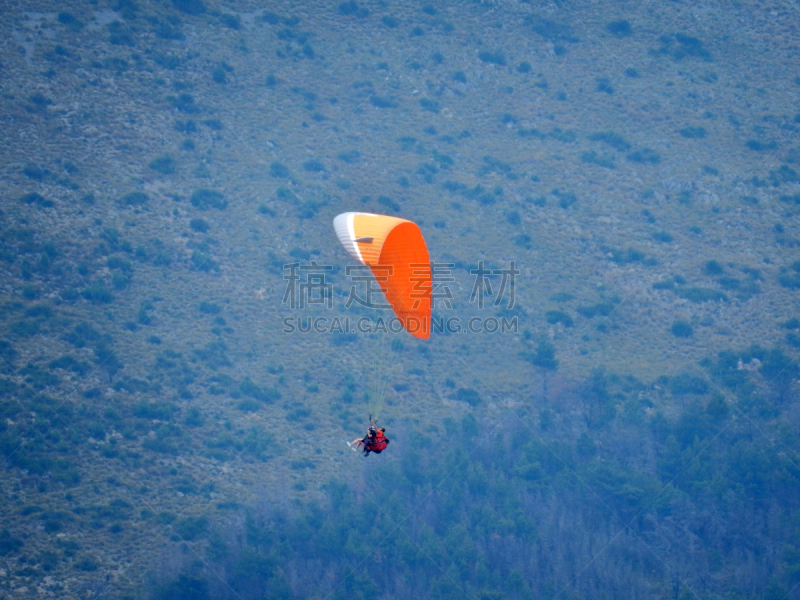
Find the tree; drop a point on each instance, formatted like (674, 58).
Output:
(545, 358)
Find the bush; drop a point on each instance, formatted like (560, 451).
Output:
(349, 156)
(663, 236)
(699, 294)
(713, 268)
(693, 133)
(135, 199)
(209, 308)
(163, 164)
(682, 329)
(9, 543)
(685, 383)
(352, 9)
(38, 200)
(382, 102)
(593, 157)
(87, 563)
(314, 166)
(199, 225)
(160, 411)
(468, 395)
(620, 29)
(205, 199)
(98, 293)
(645, 156)
(497, 57)
(190, 528)
(190, 7)
(204, 262)
(279, 170)
(265, 395)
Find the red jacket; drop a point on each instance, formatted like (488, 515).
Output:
(379, 443)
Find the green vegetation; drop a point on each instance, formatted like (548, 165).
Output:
(611, 138)
(37, 200)
(601, 160)
(199, 225)
(205, 199)
(680, 46)
(700, 294)
(620, 29)
(141, 396)
(495, 57)
(351, 8)
(644, 156)
(279, 170)
(468, 395)
(693, 133)
(682, 329)
(190, 7)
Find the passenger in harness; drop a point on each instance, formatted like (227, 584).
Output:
(375, 440)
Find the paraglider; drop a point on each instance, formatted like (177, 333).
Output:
(375, 440)
(397, 256)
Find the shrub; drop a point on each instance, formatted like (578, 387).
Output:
(349, 156)
(205, 199)
(620, 29)
(160, 411)
(713, 268)
(97, 293)
(190, 7)
(594, 158)
(789, 280)
(496, 57)
(602, 308)
(645, 156)
(700, 294)
(8, 543)
(759, 146)
(611, 138)
(135, 199)
(204, 262)
(685, 383)
(265, 395)
(279, 170)
(163, 164)
(604, 85)
(468, 395)
(352, 9)
(314, 166)
(38, 200)
(209, 308)
(430, 105)
(693, 133)
(382, 102)
(682, 329)
(190, 528)
(199, 225)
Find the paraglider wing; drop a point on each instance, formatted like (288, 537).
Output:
(397, 255)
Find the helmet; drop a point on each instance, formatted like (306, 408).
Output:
(372, 429)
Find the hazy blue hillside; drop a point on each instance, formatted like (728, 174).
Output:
(167, 431)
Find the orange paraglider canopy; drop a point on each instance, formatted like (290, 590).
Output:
(397, 255)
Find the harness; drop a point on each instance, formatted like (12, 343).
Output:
(376, 445)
